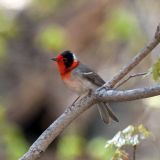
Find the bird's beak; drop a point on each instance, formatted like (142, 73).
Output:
(54, 59)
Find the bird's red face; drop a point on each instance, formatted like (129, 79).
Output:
(66, 61)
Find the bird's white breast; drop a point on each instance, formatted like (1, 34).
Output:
(79, 84)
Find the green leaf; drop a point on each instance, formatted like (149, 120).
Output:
(156, 70)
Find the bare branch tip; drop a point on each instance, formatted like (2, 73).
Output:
(157, 34)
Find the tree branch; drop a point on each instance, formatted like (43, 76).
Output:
(106, 95)
(129, 77)
(72, 112)
(136, 60)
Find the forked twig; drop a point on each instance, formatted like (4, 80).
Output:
(129, 77)
(135, 61)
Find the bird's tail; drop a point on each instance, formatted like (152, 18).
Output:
(106, 113)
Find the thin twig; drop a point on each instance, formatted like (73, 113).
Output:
(136, 60)
(134, 152)
(129, 77)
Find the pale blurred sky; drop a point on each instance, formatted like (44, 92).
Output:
(15, 4)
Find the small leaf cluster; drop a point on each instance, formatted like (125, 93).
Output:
(130, 136)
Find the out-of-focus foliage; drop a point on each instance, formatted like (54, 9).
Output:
(7, 30)
(12, 138)
(97, 151)
(70, 147)
(156, 70)
(121, 24)
(45, 7)
(52, 38)
(2, 48)
(74, 146)
(7, 27)
(132, 136)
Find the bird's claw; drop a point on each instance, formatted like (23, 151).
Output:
(103, 88)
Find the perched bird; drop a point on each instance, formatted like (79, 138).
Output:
(81, 79)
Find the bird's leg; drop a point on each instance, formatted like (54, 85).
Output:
(75, 100)
(89, 92)
(103, 88)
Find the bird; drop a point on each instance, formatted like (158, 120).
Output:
(82, 79)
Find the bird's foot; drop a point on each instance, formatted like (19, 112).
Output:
(103, 88)
(90, 92)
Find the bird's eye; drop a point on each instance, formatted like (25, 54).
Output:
(65, 59)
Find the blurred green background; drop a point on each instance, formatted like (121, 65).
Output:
(105, 35)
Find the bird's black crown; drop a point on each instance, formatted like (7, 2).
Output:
(68, 58)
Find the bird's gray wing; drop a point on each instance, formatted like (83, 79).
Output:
(91, 75)
(105, 111)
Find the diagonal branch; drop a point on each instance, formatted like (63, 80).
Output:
(136, 60)
(45, 139)
(72, 112)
